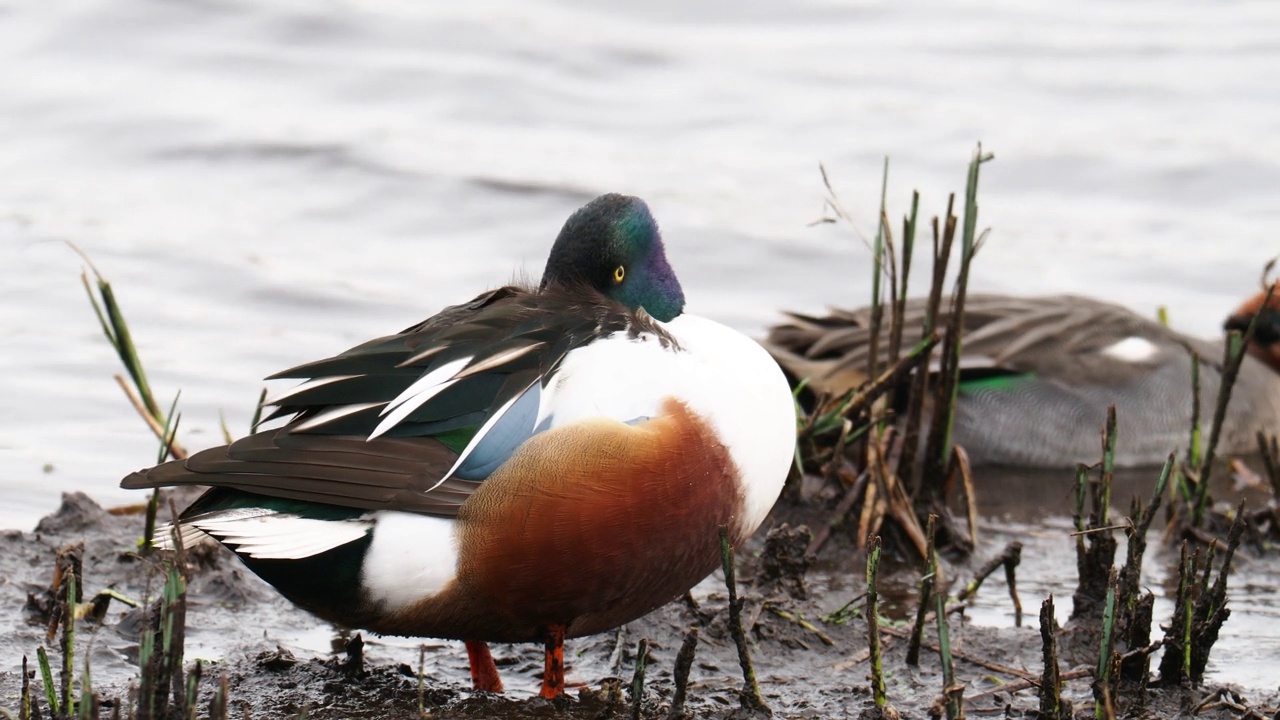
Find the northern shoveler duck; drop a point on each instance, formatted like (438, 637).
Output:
(1038, 373)
(535, 464)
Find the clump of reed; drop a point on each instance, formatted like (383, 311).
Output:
(165, 689)
(162, 691)
(895, 466)
(895, 463)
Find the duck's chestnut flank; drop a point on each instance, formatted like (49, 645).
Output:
(630, 493)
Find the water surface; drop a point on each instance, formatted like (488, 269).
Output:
(267, 183)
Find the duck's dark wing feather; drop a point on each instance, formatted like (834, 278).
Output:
(454, 379)
(381, 474)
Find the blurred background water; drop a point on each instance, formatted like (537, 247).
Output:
(267, 183)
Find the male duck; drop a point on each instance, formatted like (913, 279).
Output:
(535, 464)
(1038, 374)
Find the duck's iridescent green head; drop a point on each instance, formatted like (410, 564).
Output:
(612, 244)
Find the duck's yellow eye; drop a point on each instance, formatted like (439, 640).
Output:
(618, 274)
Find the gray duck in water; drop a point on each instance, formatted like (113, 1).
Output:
(1037, 375)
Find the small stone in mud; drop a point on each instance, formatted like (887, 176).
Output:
(76, 514)
(785, 560)
(278, 659)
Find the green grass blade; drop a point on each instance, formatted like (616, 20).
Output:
(46, 675)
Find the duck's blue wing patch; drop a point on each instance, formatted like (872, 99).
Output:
(507, 432)
(493, 446)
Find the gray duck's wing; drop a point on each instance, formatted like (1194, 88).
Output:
(1071, 339)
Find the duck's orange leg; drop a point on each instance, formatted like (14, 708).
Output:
(553, 674)
(484, 674)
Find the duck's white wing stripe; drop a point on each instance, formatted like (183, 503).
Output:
(501, 358)
(333, 414)
(428, 383)
(303, 387)
(191, 536)
(417, 394)
(265, 534)
(407, 407)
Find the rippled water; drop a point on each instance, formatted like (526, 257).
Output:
(269, 182)
(266, 183)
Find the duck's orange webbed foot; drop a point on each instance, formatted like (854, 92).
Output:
(484, 674)
(553, 674)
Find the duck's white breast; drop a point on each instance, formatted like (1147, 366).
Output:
(722, 375)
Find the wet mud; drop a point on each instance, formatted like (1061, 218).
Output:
(807, 637)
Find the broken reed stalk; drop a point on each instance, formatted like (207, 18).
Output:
(46, 676)
(1139, 524)
(1078, 519)
(24, 706)
(637, 679)
(939, 447)
(1102, 503)
(926, 592)
(1096, 548)
(1269, 449)
(1011, 579)
(1211, 608)
(877, 270)
(919, 392)
(173, 618)
(951, 691)
(1175, 665)
(1009, 560)
(896, 317)
(218, 702)
(960, 471)
(750, 697)
(193, 687)
(684, 663)
(1200, 611)
(1051, 704)
(935, 437)
(1136, 609)
(1104, 688)
(989, 567)
(1194, 444)
(873, 623)
(68, 613)
(161, 647)
(1233, 357)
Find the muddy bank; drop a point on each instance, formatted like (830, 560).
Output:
(810, 659)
